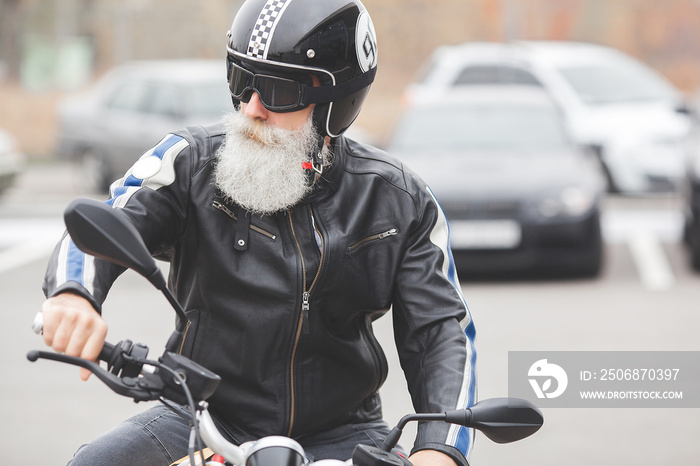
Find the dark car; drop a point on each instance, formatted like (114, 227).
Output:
(106, 129)
(691, 197)
(519, 196)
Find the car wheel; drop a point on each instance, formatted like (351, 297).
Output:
(91, 173)
(592, 263)
(592, 266)
(693, 241)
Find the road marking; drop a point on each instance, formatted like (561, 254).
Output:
(619, 226)
(23, 241)
(652, 264)
(26, 252)
(644, 233)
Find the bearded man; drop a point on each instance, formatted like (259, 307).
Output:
(286, 240)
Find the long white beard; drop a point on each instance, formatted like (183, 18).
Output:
(259, 165)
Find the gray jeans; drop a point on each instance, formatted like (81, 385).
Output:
(159, 436)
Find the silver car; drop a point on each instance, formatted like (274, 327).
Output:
(12, 160)
(519, 196)
(105, 130)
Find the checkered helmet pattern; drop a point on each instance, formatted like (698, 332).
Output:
(265, 26)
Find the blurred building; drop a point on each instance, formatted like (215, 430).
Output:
(63, 43)
(57, 45)
(663, 33)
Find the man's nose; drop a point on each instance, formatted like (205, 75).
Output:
(254, 109)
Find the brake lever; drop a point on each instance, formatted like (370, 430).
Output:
(126, 386)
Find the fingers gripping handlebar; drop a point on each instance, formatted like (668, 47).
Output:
(122, 359)
(125, 371)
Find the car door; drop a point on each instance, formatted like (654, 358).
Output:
(139, 114)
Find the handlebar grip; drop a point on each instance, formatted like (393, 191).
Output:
(38, 324)
(106, 352)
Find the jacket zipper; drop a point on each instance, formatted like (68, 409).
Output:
(386, 234)
(184, 336)
(302, 325)
(229, 212)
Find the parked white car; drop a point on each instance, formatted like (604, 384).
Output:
(631, 116)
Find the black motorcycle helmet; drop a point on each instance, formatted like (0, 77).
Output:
(276, 45)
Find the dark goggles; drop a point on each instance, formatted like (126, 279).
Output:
(276, 94)
(281, 95)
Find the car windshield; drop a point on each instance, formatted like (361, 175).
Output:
(622, 82)
(211, 100)
(498, 128)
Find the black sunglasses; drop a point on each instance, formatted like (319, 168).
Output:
(276, 94)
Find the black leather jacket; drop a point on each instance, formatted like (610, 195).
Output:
(282, 306)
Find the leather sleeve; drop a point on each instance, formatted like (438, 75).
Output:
(434, 331)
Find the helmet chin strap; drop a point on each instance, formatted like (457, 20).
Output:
(315, 167)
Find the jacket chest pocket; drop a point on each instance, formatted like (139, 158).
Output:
(371, 238)
(243, 227)
(367, 272)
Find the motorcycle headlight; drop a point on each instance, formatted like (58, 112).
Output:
(569, 202)
(276, 450)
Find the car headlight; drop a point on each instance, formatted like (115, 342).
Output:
(569, 202)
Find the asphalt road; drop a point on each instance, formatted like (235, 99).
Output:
(645, 299)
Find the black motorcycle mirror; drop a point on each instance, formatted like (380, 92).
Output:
(107, 233)
(502, 420)
(101, 231)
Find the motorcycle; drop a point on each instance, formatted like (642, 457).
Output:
(106, 233)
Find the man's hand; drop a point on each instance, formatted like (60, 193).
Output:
(431, 458)
(72, 326)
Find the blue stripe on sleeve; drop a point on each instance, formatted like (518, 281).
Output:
(131, 180)
(164, 146)
(463, 441)
(75, 264)
(464, 436)
(117, 192)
